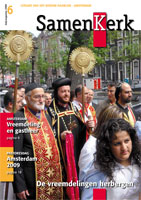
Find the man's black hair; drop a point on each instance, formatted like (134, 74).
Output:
(111, 84)
(78, 90)
(118, 90)
(21, 86)
(8, 97)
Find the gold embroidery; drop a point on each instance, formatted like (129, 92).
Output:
(49, 152)
(50, 190)
(50, 172)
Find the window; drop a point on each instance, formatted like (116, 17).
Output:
(120, 66)
(136, 70)
(136, 45)
(135, 33)
(120, 48)
(127, 69)
(112, 37)
(97, 71)
(44, 44)
(127, 46)
(126, 33)
(113, 72)
(121, 72)
(112, 52)
(120, 34)
(107, 56)
(103, 72)
(108, 72)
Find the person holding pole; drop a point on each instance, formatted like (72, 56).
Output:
(89, 112)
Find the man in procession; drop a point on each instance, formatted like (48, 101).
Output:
(67, 121)
(89, 111)
(90, 98)
(35, 140)
(123, 96)
(64, 115)
(111, 89)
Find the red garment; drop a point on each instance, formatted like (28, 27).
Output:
(93, 113)
(47, 166)
(72, 192)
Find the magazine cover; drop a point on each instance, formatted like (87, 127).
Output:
(70, 100)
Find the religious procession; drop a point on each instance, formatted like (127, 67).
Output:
(66, 145)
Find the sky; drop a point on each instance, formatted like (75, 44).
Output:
(36, 33)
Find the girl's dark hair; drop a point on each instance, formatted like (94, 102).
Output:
(109, 112)
(104, 157)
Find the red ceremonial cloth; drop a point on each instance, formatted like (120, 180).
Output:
(72, 192)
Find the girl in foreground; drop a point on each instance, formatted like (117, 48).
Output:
(86, 158)
(117, 159)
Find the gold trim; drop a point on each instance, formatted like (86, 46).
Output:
(56, 145)
(57, 149)
(59, 140)
(33, 149)
(59, 136)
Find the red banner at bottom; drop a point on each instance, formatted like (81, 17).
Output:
(99, 194)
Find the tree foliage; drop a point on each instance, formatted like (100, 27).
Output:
(5, 64)
(42, 64)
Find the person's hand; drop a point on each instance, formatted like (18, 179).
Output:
(63, 134)
(90, 123)
(22, 195)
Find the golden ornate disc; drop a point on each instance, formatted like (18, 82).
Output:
(18, 45)
(82, 60)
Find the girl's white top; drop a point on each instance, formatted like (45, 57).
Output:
(128, 179)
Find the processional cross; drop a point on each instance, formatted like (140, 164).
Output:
(72, 125)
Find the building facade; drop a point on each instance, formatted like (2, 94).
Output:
(123, 60)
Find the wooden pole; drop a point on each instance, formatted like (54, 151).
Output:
(83, 102)
(16, 86)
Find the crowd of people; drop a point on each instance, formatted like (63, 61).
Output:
(65, 138)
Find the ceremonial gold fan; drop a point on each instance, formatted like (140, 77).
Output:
(18, 45)
(82, 60)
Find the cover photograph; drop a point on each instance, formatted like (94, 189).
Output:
(70, 100)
